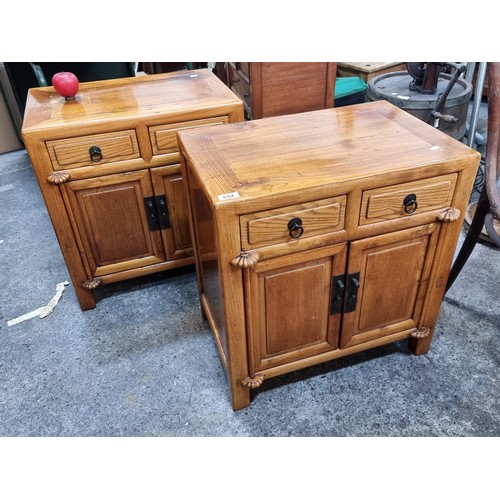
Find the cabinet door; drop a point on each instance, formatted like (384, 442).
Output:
(386, 283)
(289, 307)
(111, 224)
(168, 183)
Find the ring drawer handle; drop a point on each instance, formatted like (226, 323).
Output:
(410, 203)
(95, 154)
(295, 227)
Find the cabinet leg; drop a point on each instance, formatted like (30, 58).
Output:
(240, 396)
(85, 298)
(420, 346)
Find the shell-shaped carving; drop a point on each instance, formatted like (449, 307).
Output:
(58, 177)
(449, 215)
(91, 284)
(253, 383)
(246, 259)
(420, 334)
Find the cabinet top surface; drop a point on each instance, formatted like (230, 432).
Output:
(122, 98)
(318, 149)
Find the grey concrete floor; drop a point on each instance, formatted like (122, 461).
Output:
(143, 362)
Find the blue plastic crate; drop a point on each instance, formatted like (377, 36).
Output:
(349, 90)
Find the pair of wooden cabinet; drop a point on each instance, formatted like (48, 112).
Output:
(108, 167)
(321, 234)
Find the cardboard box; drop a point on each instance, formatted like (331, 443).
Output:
(10, 116)
(9, 140)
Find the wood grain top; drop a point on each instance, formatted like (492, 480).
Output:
(122, 98)
(316, 149)
(368, 67)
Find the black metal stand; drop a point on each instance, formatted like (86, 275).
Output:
(472, 237)
(487, 208)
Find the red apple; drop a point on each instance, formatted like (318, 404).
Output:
(66, 84)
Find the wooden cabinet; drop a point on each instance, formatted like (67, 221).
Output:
(281, 88)
(109, 169)
(322, 234)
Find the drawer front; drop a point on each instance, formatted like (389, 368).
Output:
(164, 137)
(240, 86)
(291, 223)
(93, 149)
(388, 203)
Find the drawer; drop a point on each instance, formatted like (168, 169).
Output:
(387, 203)
(107, 148)
(164, 137)
(240, 86)
(273, 227)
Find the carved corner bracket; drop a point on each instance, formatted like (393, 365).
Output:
(91, 284)
(254, 382)
(58, 178)
(421, 333)
(449, 215)
(246, 259)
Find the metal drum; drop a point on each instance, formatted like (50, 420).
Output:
(395, 88)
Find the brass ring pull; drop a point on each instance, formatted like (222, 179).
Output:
(410, 203)
(95, 154)
(295, 227)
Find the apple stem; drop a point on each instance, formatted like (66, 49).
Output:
(70, 98)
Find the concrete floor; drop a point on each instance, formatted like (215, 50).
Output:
(143, 362)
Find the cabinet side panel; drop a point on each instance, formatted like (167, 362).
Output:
(293, 87)
(63, 227)
(445, 252)
(207, 258)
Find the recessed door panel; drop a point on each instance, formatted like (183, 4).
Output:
(392, 271)
(289, 302)
(293, 319)
(112, 222)
(168, 181)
